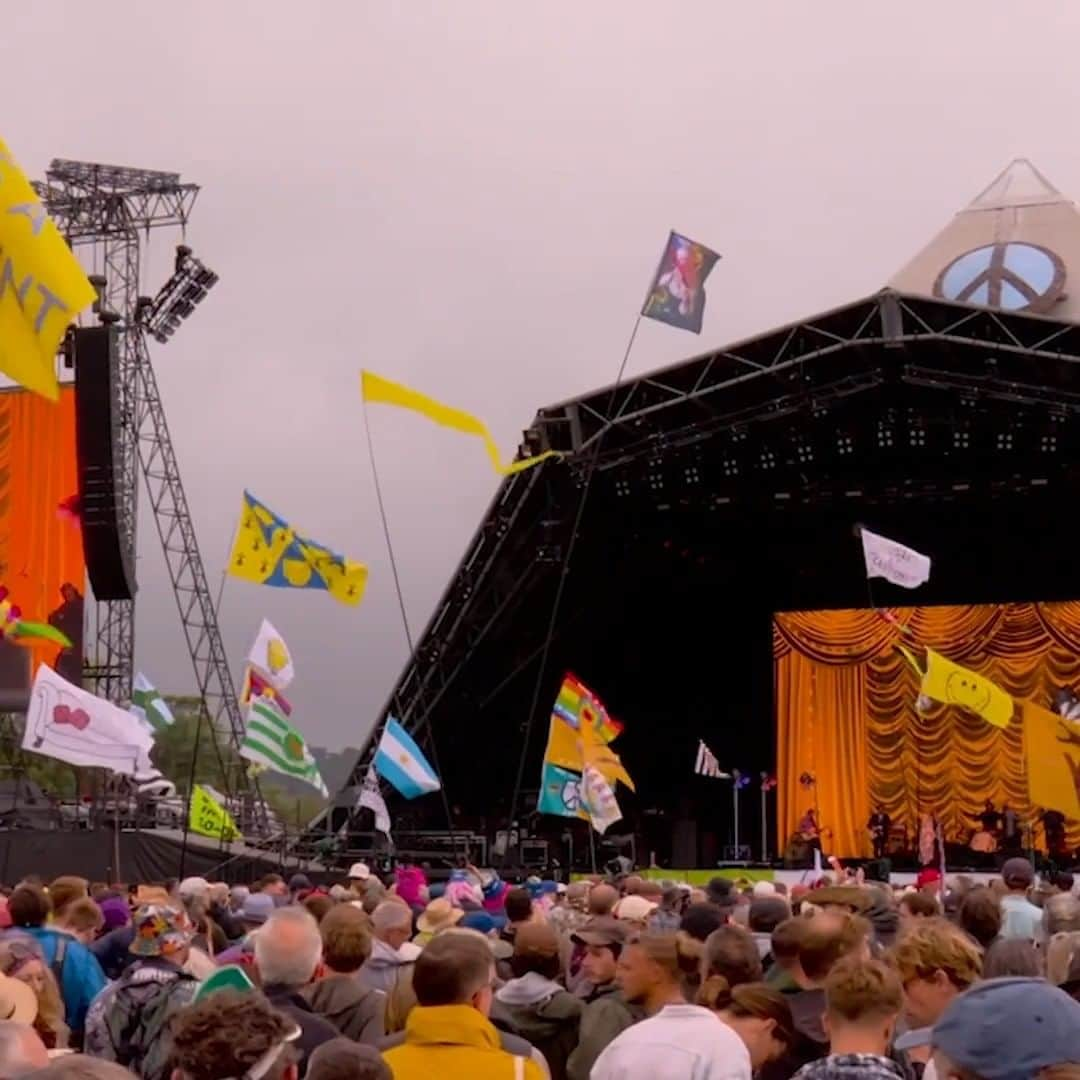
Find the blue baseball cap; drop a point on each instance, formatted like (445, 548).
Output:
(1005, 1029)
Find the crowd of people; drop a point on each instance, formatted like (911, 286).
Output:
(608, 979)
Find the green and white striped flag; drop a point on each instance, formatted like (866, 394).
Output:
(148, 706)
(270, 740)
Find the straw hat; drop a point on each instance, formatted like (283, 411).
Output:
(438, 915)
(17, 1001)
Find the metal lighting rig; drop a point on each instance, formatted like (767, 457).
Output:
(111, 210)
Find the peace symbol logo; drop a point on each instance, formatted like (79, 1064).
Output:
(1012, 276)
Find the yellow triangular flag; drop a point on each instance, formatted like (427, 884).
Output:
(379, 391)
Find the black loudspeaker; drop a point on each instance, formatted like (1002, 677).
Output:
(110, 560)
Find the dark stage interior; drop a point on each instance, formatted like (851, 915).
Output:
(716, 493)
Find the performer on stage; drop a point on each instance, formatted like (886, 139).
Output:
(1011, 839)
(989, 818)
(1053, 823)
(809, 831)
(878, 827)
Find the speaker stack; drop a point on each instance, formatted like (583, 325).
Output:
(110, 561)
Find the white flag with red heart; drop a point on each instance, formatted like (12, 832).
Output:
(72, 725)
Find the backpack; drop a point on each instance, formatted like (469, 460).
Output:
(137, 1021)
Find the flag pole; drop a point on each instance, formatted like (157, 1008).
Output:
(764, 824)
(735, 803)
(384, 519)
(564, 574)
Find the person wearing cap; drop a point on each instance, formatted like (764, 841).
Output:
(1020, 918)
(607, 1013)
(1002, 1029)
(635, 911)
(438, 915)
(258, 907)
(533, 1004)
(128, 1022)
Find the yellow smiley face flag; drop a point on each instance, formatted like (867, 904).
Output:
(952, 684)
(42, 286)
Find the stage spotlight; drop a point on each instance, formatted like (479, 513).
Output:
(961, 439)
(916, 436)
(805, 453)
(1004, 440)
(1048, 444)
(768, 459)
(845, 444)
(177, 298)
(731, 467)
(884, 435)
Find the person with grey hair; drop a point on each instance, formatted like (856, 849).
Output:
(288, 954)
(1061, 914)
(21, 1050)
(342, 1059)
(391, 949)
(81, 1067)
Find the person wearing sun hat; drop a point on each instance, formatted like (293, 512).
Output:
(438, 915)
(128, 1022)
(1002, 1029)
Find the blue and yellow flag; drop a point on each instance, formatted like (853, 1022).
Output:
(42, 286)
(269, 551)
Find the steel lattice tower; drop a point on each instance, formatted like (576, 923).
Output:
(111, 209)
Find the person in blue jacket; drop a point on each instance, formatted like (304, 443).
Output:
(77, 971)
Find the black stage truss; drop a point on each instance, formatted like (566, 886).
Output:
(936, 416)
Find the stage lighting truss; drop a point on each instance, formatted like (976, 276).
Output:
(178, 297)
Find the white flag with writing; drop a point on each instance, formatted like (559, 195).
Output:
(371, 798)
(72, 725)
(887, 559)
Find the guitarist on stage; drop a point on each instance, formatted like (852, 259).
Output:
(878, 827)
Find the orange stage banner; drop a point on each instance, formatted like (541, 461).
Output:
(41, 555)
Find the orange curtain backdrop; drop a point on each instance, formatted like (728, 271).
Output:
(861, 736)
(39, 550)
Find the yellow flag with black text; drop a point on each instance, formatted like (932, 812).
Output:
(209, 818)
(42, 286)
(1052, 749)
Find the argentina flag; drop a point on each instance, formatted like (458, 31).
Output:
(399, 761)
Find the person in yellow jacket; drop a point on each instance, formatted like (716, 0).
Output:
(448, 1032)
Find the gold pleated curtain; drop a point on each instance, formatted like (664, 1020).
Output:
(845, 704)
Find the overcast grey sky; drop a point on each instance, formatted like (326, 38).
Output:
(470, 197)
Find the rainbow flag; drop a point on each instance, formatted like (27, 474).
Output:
(577, 705)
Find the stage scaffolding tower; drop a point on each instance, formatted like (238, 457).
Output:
(111, 210)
